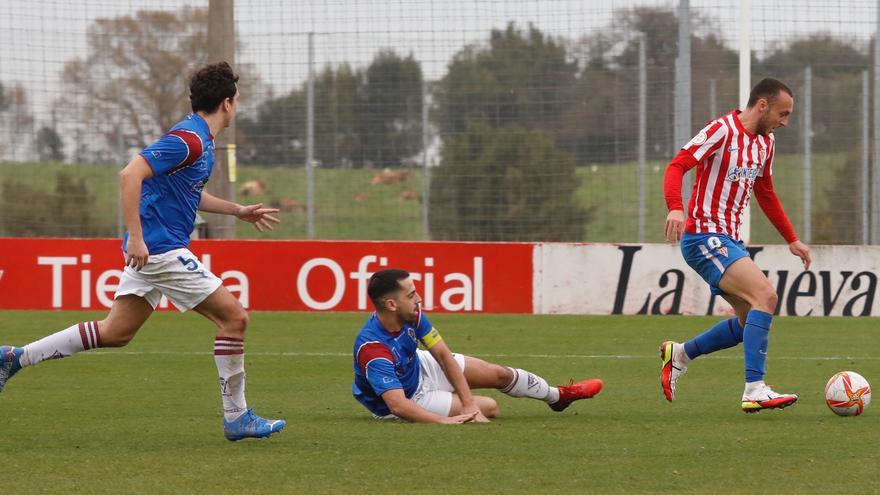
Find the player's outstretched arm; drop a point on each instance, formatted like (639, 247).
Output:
(440, 351)
(406, 409)
(261, 217)
(131, 180)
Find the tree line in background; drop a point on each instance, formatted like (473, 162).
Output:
(521, 109)
(583, 92)
(363, 117)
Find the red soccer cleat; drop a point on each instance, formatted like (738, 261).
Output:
(586, 389)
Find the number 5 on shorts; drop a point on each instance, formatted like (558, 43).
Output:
(188, 263)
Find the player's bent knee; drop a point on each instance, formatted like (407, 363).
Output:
(762, 298)
(238, 323)
(489, 408)
(503, 376)
(768, 300)
(243, 320)
(773, 300)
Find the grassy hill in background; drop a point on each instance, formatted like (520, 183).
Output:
(348, 206)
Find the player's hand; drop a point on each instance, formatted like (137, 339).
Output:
(136, 253)
(674, 225)
(258, 216)
(461, 418)
(802, 251)
(479, 417)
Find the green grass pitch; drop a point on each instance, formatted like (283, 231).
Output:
(146, 418)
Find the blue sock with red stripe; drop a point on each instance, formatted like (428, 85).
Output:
(724, 334)
(756, 336)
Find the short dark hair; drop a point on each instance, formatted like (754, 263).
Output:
(384, 282)
(769, 89)
(210, 86)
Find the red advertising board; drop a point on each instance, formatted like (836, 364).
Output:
(75, 274)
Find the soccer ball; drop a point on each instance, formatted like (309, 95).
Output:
(847, 393)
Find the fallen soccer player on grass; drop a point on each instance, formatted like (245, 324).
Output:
(394, 379)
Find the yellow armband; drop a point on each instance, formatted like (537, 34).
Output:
(429, 340)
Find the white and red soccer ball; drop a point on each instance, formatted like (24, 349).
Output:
(847, 393)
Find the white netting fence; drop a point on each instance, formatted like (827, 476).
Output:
(463, 120)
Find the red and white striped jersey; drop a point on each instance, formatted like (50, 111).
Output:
(729, 159)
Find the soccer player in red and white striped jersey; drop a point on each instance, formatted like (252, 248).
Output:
(733, 157)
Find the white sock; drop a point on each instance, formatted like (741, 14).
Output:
(229, 357)
(681, 356)
(752, 387)
(525, 384)
(73, 339)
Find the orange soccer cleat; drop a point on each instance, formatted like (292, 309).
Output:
(586, 389)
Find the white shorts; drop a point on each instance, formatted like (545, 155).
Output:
(434, 392)
(177, 274)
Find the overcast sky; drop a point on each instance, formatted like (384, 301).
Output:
(38, 37)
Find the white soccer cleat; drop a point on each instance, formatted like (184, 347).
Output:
(672, 367)
(759, 396)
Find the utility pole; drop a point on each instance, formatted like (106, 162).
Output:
(221, 48)
(682, 131)
(642, 144)
(310, 142)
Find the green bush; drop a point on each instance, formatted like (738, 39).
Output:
(505, 184)
(840, 221)
(32, 212)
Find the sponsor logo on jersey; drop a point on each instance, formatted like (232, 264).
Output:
(742, 173)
